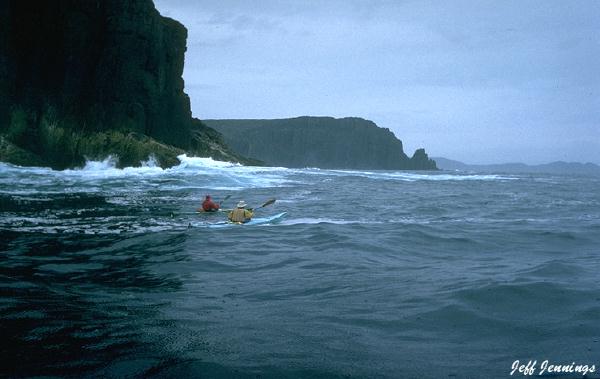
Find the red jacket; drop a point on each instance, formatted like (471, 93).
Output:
(208, 205)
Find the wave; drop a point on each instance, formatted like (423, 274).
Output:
(411, 177)
(233, 175)
(192, 172)
(107, 167)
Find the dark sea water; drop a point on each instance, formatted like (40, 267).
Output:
(382, 274)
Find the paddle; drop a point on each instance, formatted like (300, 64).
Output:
(268, 202)
(225, 198)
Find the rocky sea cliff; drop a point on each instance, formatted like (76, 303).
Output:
(87, 79)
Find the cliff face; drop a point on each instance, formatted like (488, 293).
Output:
(323, 142)
(91, 66)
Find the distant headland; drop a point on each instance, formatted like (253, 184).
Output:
(323, 142)
(557, 167)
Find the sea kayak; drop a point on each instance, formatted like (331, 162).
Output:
(255, 221)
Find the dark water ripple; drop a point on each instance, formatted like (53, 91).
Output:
(371, 274)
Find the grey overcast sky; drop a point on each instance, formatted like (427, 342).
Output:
(477, 81)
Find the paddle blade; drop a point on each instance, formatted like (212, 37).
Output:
(224, 199)
(269, 202)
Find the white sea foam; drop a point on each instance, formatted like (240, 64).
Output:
(445, 177)
(199, 162)
(107, 169)
(192, 174)
(151, 162)
(219, 174)
(411, 177)
(203, 166)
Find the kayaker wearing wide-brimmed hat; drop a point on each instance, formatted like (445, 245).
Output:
(240, 213)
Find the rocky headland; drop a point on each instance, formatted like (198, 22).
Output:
(83, 79)
(324, 142)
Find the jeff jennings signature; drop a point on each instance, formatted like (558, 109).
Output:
(546, 367)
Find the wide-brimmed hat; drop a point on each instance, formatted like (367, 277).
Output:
(242, 204)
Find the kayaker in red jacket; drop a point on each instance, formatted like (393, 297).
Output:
(209, 206)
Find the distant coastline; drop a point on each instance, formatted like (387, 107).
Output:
(557, 167)
(323, 142)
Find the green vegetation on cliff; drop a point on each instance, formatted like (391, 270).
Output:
(88, 79)
(48, 143)
(323, 142)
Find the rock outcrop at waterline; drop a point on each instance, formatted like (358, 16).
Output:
(88, 78)
(323, 142)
